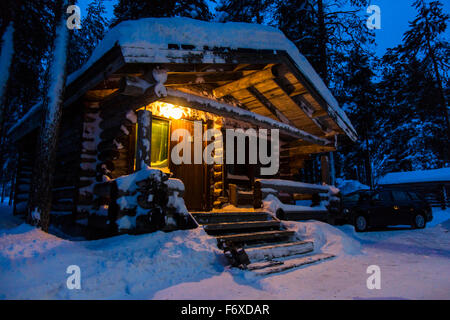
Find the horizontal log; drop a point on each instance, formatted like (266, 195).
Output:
(244, 82)
(290, 186)
(310, 150)
(133, 86)
(213, 106)
(104, 189)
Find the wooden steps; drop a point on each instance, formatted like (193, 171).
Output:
(280, 266)
(267, 244)
(229, 226)
(242, 238)
(279, 250)
(218, 217)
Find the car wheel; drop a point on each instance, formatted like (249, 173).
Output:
(280, 214)
(361, 224)
(419, 221)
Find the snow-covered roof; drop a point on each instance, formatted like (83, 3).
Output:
(147, 40)
(416, 176)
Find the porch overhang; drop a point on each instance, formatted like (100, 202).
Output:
(264, 84)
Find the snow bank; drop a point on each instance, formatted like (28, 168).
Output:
(33, 264)
(349, 186)
(439, 216)
(416, 176)
(327, 238)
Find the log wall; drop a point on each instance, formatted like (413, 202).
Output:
(67, 168)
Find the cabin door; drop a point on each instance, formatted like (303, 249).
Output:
(192, 175)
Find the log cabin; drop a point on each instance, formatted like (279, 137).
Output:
(147, 79)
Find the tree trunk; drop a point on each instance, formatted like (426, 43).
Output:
(40, 199)
(5, 65)
(323, 68)
(6, 55)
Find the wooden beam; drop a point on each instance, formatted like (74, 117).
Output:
(302, 105)
(266, 102)
(98, 95)
(118, 102)
(111, 62)
(190, 78)
(341, 122)
(133, 86)
(205, 104)
(144, 139)
(325, 169)
(311, 149)
(244, 82)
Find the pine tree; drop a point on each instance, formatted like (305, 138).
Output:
(324, 32)
(83, 41)
(32, 29)
(410, 135)
(39, 203)
(424, 40)
(136, 9)
(357, 94)
(6, 53)
(252, 11)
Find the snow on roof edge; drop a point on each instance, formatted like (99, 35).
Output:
(157, 33)
(434, 175)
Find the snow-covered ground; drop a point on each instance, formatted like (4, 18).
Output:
(414, 264)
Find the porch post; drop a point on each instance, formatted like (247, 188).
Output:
(332, 170)
(324, 166)
(444, 197)
(144, 139)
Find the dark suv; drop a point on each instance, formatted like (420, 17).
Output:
(383, 207)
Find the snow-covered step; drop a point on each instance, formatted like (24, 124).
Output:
(263, 264)
(292, 263)
(279, 250)
(255, 236)
(243, 225)
(218, 217)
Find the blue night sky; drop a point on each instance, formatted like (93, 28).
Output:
(395, 15)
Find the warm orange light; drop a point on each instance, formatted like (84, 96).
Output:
(170, 111)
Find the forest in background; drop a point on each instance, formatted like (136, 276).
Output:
(398, 103)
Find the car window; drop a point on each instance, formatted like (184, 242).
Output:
(364, 196)
(352, 197)
(382, 196)
(400, 196)
(414, 196)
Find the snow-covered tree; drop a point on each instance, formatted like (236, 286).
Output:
(324, 30)
(425, 40)
(40, 200)
(83, 41)
(6, 54)
(253, 11)
(136, 9)
(358, 96)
